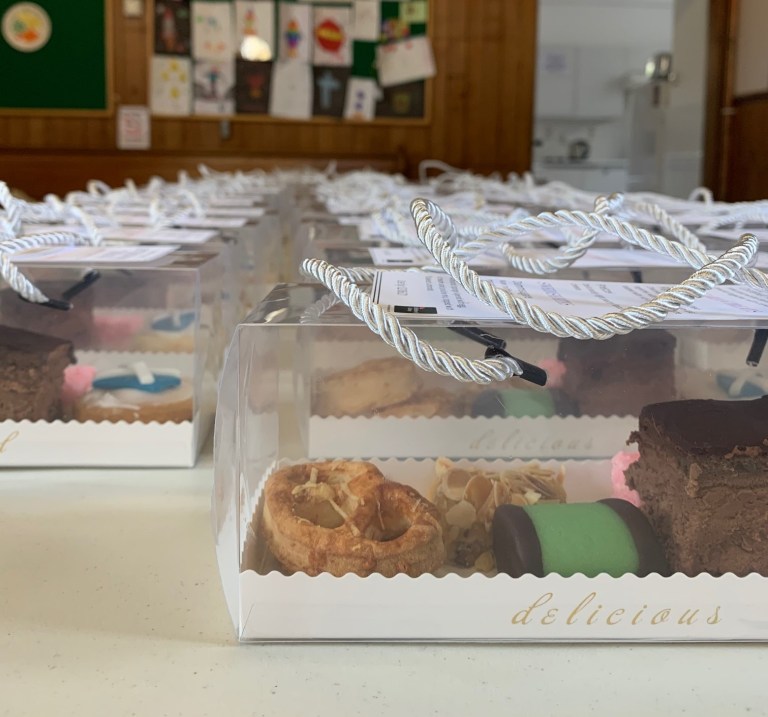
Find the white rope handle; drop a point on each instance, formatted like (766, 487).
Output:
(731, 265)
(702, 194)
(10, 272)
(402, 339)
(12, 208)
(97, 188)
(426, 164)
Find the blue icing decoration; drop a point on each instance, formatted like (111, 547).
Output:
(162, 382)
(166, 323)
(748, 390)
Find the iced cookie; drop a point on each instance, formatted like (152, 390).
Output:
(170, 333)
(136, 393)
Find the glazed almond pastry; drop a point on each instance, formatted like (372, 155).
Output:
(346, 517)
(467, 498)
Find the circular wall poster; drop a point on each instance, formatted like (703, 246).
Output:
(26, 27)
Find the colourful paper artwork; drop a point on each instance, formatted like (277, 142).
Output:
(295, 27)
(351, 59)
(171, 85)
(403, 101)
(360, 102)
(255, 30)
(212, 31)
(172, 27)
(333, 42)
(291, 92)
(330, 90)
(214, 87)
(253, 81)
(366, 19)
(405, 61)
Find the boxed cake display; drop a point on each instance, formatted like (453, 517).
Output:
(359, 497)
(111, 355)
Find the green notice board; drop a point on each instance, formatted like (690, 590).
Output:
(53, 55)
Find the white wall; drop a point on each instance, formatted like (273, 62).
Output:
(642, 27)
(684, 120)
(606, 22)
(751, 48)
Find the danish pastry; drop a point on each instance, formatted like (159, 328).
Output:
(345, 517)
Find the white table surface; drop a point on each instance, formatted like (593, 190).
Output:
(110, 605)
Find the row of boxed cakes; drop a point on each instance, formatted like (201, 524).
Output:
(122, 369)
(625, 499)
(116, 360)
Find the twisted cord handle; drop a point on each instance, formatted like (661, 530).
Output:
(565, 256)
(401, 338)
(730, 266)
(13, 210)
(756, 212)
(10, 272)
(623, 230)
(702, 194)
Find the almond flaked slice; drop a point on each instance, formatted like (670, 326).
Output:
(455, 483)
(532, 497)
(477, 490)
(462, 515)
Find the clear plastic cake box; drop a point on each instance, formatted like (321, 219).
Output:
(284, 370)
(132, 310)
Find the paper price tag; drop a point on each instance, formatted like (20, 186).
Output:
(89, 255)
(439, 296)
(158, 236)
(395, 256)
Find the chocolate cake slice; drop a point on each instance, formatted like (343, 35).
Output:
(75, 325)
(31, 374)
(703, 479)
(618, 376)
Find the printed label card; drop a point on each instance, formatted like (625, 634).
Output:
(254, 80)
(172, 27)
(295, 27)
(406, 101)
(214, 88)
(405, 61)
(171, 85)
(361, 97)
(255, 29)
(366, 18)
(87, 255)
(212, 31)
(333, 44)
(291, 93)
(330, 91)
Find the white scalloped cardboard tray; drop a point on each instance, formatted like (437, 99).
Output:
(273, 606)
(71, 443)
(479, 437)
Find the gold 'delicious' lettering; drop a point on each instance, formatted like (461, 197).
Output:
(526, 614)
(10, 437)
(580, 607)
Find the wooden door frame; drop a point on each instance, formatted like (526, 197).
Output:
(719, 110)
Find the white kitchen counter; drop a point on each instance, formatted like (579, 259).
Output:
(110, 605)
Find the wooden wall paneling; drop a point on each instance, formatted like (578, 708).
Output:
(481, 114)
(747, 168)
(516, 87)
(723, 24)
